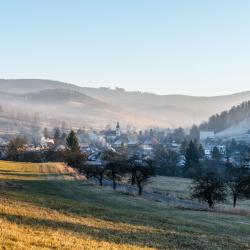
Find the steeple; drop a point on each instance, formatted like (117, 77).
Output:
(118, 130)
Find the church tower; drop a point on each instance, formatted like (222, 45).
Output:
(118, 130)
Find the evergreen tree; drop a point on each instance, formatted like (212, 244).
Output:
(192, 154)
(192, 160)
(72, 142)
(74, 157)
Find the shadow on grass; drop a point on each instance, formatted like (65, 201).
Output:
(161, 240)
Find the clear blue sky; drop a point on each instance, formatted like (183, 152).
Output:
(197, 47)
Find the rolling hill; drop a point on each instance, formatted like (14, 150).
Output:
(65, 105)
(133, 108)
(48, 206)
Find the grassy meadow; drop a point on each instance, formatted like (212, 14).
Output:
(174, 185)
(47, 206)
(180, 188)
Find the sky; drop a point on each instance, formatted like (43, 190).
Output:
(163, 46)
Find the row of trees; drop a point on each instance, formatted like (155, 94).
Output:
(117, 167)
(114, 166)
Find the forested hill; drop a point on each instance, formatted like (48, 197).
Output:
(227, 119)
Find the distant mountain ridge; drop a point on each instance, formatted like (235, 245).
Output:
(133, 108)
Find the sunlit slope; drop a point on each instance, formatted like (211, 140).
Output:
(45, 206)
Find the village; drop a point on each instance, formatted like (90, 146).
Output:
(131, 142)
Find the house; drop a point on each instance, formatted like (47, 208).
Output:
(47, 142)
(118, 143)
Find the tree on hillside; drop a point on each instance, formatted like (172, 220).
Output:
(114, 172)
(238, 180)
(209, 188)
(115, 166)
(15, 147)
(143, 173)
(94, 171)
(131, 168)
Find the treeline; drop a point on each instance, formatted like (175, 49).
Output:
(226, 119)
(17, 150)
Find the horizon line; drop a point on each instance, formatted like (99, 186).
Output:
(127, 90)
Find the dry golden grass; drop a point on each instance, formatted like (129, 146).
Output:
(30, 227)
(49, 207)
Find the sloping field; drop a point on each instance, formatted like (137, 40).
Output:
(46, 206)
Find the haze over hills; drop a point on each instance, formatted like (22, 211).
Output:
(100, 106)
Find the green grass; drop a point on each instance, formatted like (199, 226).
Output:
(45, 206)
(174, 185)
